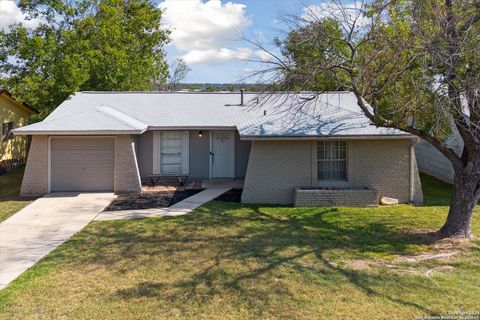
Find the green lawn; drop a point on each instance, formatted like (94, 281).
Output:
(436, 192)
(233, 261)
(9, 190)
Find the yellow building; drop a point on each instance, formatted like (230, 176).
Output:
(13, 114)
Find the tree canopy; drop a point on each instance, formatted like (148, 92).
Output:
(83, 45)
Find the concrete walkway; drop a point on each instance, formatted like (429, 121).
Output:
(37, 229)
(178, 209)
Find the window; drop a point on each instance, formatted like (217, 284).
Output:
(7, 128)
(171, 152)
(332, 160)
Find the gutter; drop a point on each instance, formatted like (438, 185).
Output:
(74, 133)
(152, 128)
(336, 137)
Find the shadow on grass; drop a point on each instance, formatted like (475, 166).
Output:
(435, 191)
(10, 184)
(300, 240)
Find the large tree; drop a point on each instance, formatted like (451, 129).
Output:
(416, 63)
(83, 45)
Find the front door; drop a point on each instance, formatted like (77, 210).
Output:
(223, 154)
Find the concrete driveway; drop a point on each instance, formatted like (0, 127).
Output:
(37, 229)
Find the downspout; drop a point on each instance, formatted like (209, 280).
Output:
(412, 168)
(311, 163)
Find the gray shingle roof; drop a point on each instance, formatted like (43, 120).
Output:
(278, 115)
(326, 115)
(95, 120)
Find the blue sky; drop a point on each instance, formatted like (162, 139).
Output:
(208, 34)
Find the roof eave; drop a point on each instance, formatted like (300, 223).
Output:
(21, 104)
(331, 137)
(192, 128)
(75, 132)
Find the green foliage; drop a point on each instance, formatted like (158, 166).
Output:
(83, 45)
(408, 62)
(397, 71)
(309, 47)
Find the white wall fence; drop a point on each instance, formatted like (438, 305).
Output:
(432, 162)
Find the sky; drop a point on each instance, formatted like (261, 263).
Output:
(210, 35)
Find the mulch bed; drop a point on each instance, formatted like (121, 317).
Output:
(233, 195)
(149, 200)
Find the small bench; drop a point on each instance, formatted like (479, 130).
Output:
(155, 178)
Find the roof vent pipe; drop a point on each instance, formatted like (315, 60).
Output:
(241, 96)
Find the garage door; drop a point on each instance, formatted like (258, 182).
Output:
(82, 164)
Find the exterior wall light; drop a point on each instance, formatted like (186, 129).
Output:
(200, 134)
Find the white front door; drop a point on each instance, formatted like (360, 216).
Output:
(223, 154)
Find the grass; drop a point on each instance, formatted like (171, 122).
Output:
(436, 192)
(233, 261)
(10, 202)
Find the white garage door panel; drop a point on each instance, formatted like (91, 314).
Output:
(82, 164)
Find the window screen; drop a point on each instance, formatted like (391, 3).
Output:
(7, 128)
(332, 160)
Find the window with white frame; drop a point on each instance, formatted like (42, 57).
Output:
(171, 152)
(332, 160)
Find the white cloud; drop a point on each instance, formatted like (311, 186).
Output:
(347, 14)
(205, 31)
(216, 55)
(10, 13)
(263, 55)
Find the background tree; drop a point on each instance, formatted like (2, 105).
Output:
(416, 63)
(83, 45)
(178, 72)
(305, 52)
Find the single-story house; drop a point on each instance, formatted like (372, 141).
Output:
(13, 114)
(279, 145)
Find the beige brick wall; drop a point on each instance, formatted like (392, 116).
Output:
(274, 169)
(35, 178)
(383, 164)
(127, 176)
(277, 167)
(326, 198)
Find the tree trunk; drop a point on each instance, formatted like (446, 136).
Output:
(465, 197)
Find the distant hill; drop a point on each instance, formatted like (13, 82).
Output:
(219, 87)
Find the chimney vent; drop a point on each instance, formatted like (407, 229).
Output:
(241, 96)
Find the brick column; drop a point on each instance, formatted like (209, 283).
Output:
(127, 176)
(35, 178)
